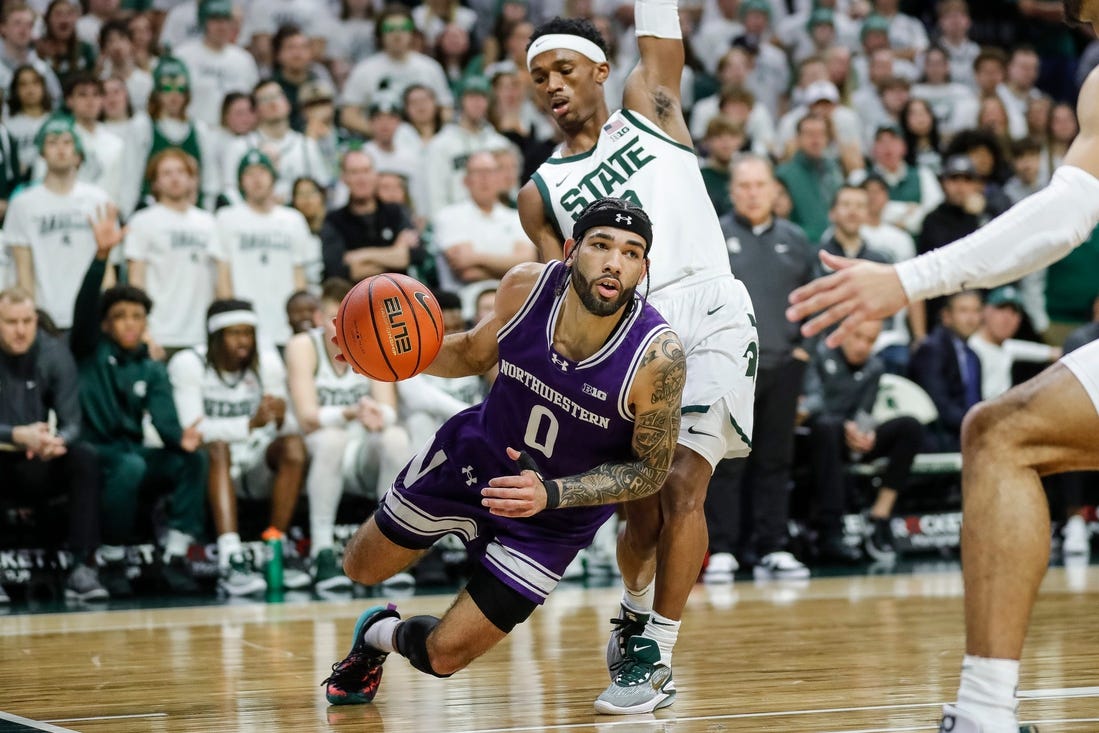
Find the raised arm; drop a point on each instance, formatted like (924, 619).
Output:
(652, 88)
(1036, 232)
(475, 351)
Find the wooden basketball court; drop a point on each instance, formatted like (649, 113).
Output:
(866, 653)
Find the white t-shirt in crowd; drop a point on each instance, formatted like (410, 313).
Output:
(263, 249)
(213, 75)
(381, 72)
(996, 361)
(178, 249)
(24, 130)
(56, 230)
(494, 233)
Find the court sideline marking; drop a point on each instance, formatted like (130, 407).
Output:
(19, 723)
(1046, 694)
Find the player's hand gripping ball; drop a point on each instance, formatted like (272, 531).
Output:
(389, 327)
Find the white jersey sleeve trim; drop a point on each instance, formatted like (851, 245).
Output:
(1036, 232)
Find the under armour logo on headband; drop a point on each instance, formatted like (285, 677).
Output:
(623, 218)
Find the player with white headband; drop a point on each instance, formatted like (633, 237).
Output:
(1047, 425)
(643, 153)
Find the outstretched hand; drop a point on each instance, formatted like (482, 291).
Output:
(857, 291)
(515, 496)
(108, 234)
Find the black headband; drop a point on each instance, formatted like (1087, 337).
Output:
(616, 218)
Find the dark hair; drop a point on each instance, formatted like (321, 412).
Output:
(335, 289)
(123, 294)
(968, 140)
(15, 105)
(1072, 12)
(264, 82)
(434, 97)
(230, 99)
(215, 343)
(1025, 146)
(114, 25)
(989, 53)
(298, 295)
(818, 118)
(448, 300)
(285, 31)
(841, 189)
(573, 27)
(345, 10)
(82, 79)
(910, 137)
(610, 205)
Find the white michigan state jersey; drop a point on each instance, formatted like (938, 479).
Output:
(634, 160)
(336, 390)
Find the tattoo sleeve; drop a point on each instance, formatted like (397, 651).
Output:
(656, 430)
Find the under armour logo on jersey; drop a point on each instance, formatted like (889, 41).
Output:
(559, 362)
(624, 218)
(470, 478)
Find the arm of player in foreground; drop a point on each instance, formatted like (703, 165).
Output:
(475, 351)
(656, 395)
(1034, 233)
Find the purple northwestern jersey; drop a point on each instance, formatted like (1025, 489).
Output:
(569, 416)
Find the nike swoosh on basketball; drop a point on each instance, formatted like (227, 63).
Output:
(692, 431)
(715, 310)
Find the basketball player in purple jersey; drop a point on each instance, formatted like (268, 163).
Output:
(1047, 425)
(589, 390)
(642, 152)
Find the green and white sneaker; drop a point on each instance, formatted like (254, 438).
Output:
(642, 684)
(327, 572)
(627, 625)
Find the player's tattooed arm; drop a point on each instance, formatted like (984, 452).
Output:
(656, 395)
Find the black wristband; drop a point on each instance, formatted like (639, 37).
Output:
(553, 493)
(553, 490)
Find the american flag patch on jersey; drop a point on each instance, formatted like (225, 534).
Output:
(612, 127)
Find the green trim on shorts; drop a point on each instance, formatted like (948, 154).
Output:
(745, 438)
(701, 409)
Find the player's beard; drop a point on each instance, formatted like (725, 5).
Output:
(594, 304)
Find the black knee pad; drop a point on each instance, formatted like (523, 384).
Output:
(412, 642)
(501, 604)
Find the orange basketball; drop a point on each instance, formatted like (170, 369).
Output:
(390, 327)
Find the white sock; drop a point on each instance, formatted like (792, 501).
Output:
(228, 544)
(176, 543)
(639, 601)
(987, 692)
(664, 631)
(382, 633)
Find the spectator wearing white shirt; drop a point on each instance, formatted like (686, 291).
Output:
(1017, 90)
(216, 65)
(479, 239)
(392, 69)
(263, 19)
(395, 148)
(954, 104)
(265, 245)
(98, 13)
(447, 153)
(103, 151)
(953, 27)
(181, 25)
(716, 32)
(907, 36)
(432, 16)
(874, 36)
(170, 248)
(117, 61)
(47, 227)
(995, 347)
(293, 154)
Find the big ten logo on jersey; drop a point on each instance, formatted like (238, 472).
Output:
(616, 129)
(608, 177)
(398, 327)
(595, 392)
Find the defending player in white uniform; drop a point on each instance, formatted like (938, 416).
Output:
(237, 392)
(350, 427)
(642, 153)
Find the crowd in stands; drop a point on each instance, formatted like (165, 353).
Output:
(189, 187)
